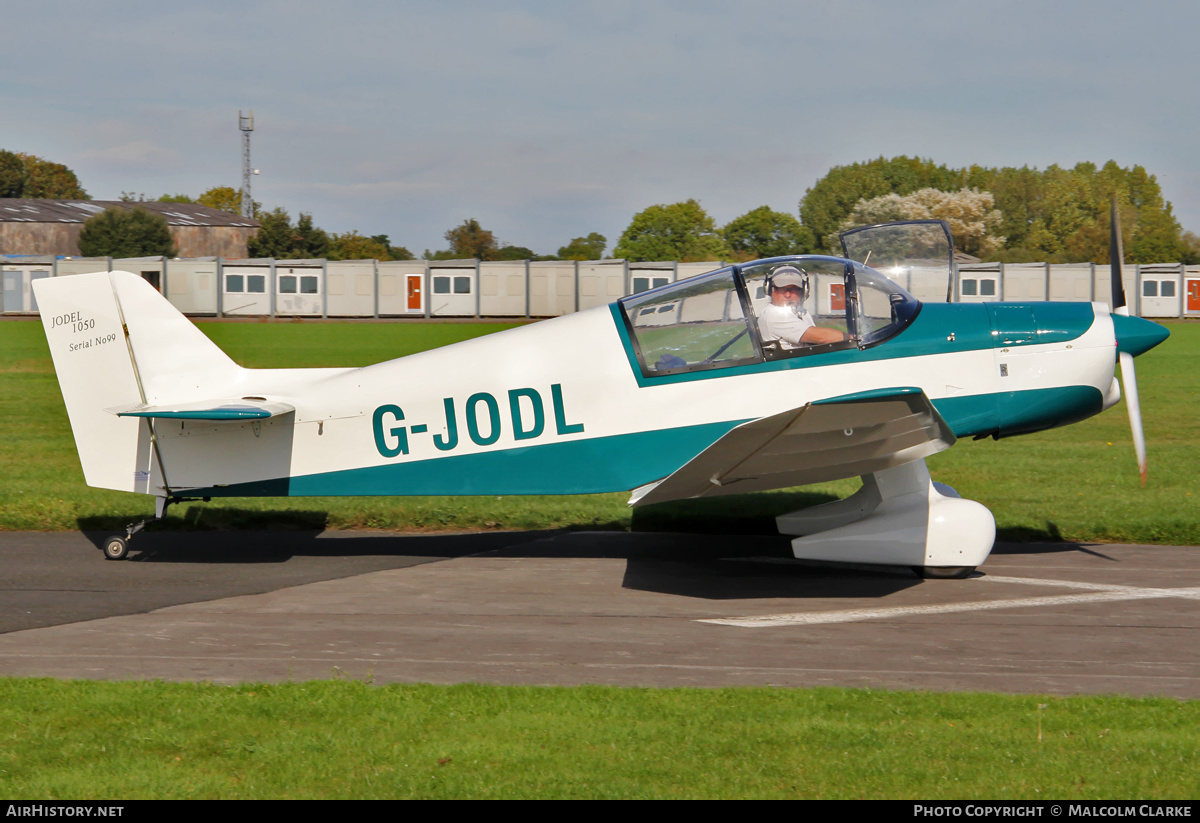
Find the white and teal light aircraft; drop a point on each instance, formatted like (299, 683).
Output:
(672, 393)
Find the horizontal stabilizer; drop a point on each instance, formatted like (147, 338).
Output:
(231, 409)
(830, 439)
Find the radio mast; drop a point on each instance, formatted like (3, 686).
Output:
(246, 124)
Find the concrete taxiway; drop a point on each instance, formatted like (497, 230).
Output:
(595, 607)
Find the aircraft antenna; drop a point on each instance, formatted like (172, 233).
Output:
(246, 125)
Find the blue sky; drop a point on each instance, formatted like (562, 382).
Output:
(549, 120)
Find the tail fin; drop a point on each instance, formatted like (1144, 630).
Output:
(117, 342)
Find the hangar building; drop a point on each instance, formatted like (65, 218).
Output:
(51, 227)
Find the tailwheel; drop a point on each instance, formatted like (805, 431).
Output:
(943, 572)
(116, 548)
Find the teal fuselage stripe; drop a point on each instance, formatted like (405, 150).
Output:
(599, 464)
(1020, 412)
(939, 328)
(626, 461)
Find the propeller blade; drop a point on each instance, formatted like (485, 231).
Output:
(1129, 385)
(1116, 256)
(1128, 374)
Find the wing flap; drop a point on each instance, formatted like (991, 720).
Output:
(826, 440)
(241, 408)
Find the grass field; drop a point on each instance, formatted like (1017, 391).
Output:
(343, 739)
(1076, 483)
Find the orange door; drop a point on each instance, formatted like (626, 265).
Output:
(837, 297)
(1193, 299)
(414, 292)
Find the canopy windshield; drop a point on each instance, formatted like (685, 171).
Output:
(916, 254)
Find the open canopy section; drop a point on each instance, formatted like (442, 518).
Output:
(916, 254)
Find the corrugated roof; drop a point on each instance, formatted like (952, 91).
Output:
(17, 210)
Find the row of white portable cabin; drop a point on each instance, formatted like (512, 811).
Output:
(472, 288)
(364, 288)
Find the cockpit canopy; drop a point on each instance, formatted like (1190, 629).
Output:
(916, 253)
(730, 317)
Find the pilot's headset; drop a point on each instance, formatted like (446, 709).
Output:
(788, 276)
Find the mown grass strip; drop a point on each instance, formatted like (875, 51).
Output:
(342, 739)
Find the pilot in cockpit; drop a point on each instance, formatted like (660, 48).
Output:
(785, 320)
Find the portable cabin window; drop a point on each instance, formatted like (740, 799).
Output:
(154, 278)
(692, 325)
(1167, 288)
(235, 283)
(458, 284)
(308, 284)
(256, 284)
(641, 284)
(971, 287)
(287, 284)
(1149, 288)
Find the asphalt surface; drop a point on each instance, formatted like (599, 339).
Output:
(594, 607)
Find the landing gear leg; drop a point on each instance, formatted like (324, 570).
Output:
(117, 546)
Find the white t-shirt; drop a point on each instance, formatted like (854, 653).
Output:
(782, 324)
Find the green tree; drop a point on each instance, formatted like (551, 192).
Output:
(1057, 214)
(584, 248)
(24, 175)
(471, 240)
(395, 252)
(12, 174)
(762, 232)
(830, 200)
(274, 235)
(1191, 248)
(278, 238)
(353, 246)
(310, 240)
(174, 198)
(970, 213)
(118, 232)
(514, 253)
(680, 231)
(227, 198)
(50, 181)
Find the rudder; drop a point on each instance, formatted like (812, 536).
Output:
(115, 342)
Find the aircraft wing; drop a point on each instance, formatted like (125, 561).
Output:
(824, 440)
(228, 409)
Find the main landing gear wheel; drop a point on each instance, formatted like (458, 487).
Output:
(116, 548)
